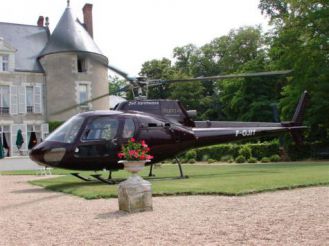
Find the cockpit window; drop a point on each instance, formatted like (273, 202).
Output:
(128, 129)
(101, 128)
(67, 132)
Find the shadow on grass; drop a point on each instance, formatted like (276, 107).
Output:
(234, 173)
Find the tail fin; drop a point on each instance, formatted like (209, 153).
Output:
(297, 119)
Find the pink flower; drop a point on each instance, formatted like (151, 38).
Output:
(132, 140)
(132, 152)
(144, 144)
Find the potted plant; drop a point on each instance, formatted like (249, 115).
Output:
(134, 155)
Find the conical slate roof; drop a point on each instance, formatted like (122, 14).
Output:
(70, 36)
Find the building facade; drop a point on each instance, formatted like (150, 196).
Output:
(42, 73)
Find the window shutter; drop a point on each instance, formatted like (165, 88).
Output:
(13, 100)
(37, 93)
(22, 100)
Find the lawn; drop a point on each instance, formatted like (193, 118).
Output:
(232, 180)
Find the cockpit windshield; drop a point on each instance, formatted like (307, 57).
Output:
(67, 132)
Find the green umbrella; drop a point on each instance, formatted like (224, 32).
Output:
(2, 153)
(19, 139)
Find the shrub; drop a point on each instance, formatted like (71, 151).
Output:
(211, 161)
(245, 151)
(275, 158)
(258, 150)
(265, 160)
(191, 161)
(252, 160)
(205, 158)
(240, 159)
(53, 125)
(226, 158)
(191, 154)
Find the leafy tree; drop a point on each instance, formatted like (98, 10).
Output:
(299, 41)
(158, 69)
(116, 83)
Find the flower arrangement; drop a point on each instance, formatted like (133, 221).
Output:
(135, 151)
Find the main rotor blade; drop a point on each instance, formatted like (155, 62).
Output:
(219, 77)
(120, 72)
(125, 88)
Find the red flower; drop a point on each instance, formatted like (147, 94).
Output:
(144, 144)
(133, 151)
(121, 155)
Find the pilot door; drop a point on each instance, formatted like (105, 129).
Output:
(99, 140)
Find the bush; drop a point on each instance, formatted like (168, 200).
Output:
(191, 154)
(275, 158)
(245, 151)
(252, 160)
(217, 151)
(240, 159)
(205, 158)
(226, 158)
(258, 150)
(191, 161)
(53, 125)
(211, 161)
(265, 160)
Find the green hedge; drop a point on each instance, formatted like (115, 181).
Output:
(258, 150)
(316, 150)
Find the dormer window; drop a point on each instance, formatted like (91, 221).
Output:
(81, 65)
(4, 60)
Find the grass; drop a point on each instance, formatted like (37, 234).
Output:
(203, 179)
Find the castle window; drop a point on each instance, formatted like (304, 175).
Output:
(29, 99)
(81, 65)
(4, 62)
(83, 94)
(4, 100)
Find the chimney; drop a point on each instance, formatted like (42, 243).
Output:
(88, 18)
(40, 21)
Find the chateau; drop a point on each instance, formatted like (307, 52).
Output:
(42, 73)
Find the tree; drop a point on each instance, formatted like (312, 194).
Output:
(299, 41)
(158, 69)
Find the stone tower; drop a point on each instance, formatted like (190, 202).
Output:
(75, 68)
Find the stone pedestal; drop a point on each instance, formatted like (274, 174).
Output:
(135, 195)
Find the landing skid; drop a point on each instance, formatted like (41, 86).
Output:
(107, 181)
(182, 176)
(151, 176)
(80, 177)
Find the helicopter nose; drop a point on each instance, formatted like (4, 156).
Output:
(36, 155)
(47, 156)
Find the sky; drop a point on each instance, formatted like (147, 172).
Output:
(131, 32)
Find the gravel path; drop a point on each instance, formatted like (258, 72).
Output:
(30, 215)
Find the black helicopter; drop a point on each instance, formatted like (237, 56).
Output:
(92, 140)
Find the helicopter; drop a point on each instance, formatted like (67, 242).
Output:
(92, 140)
